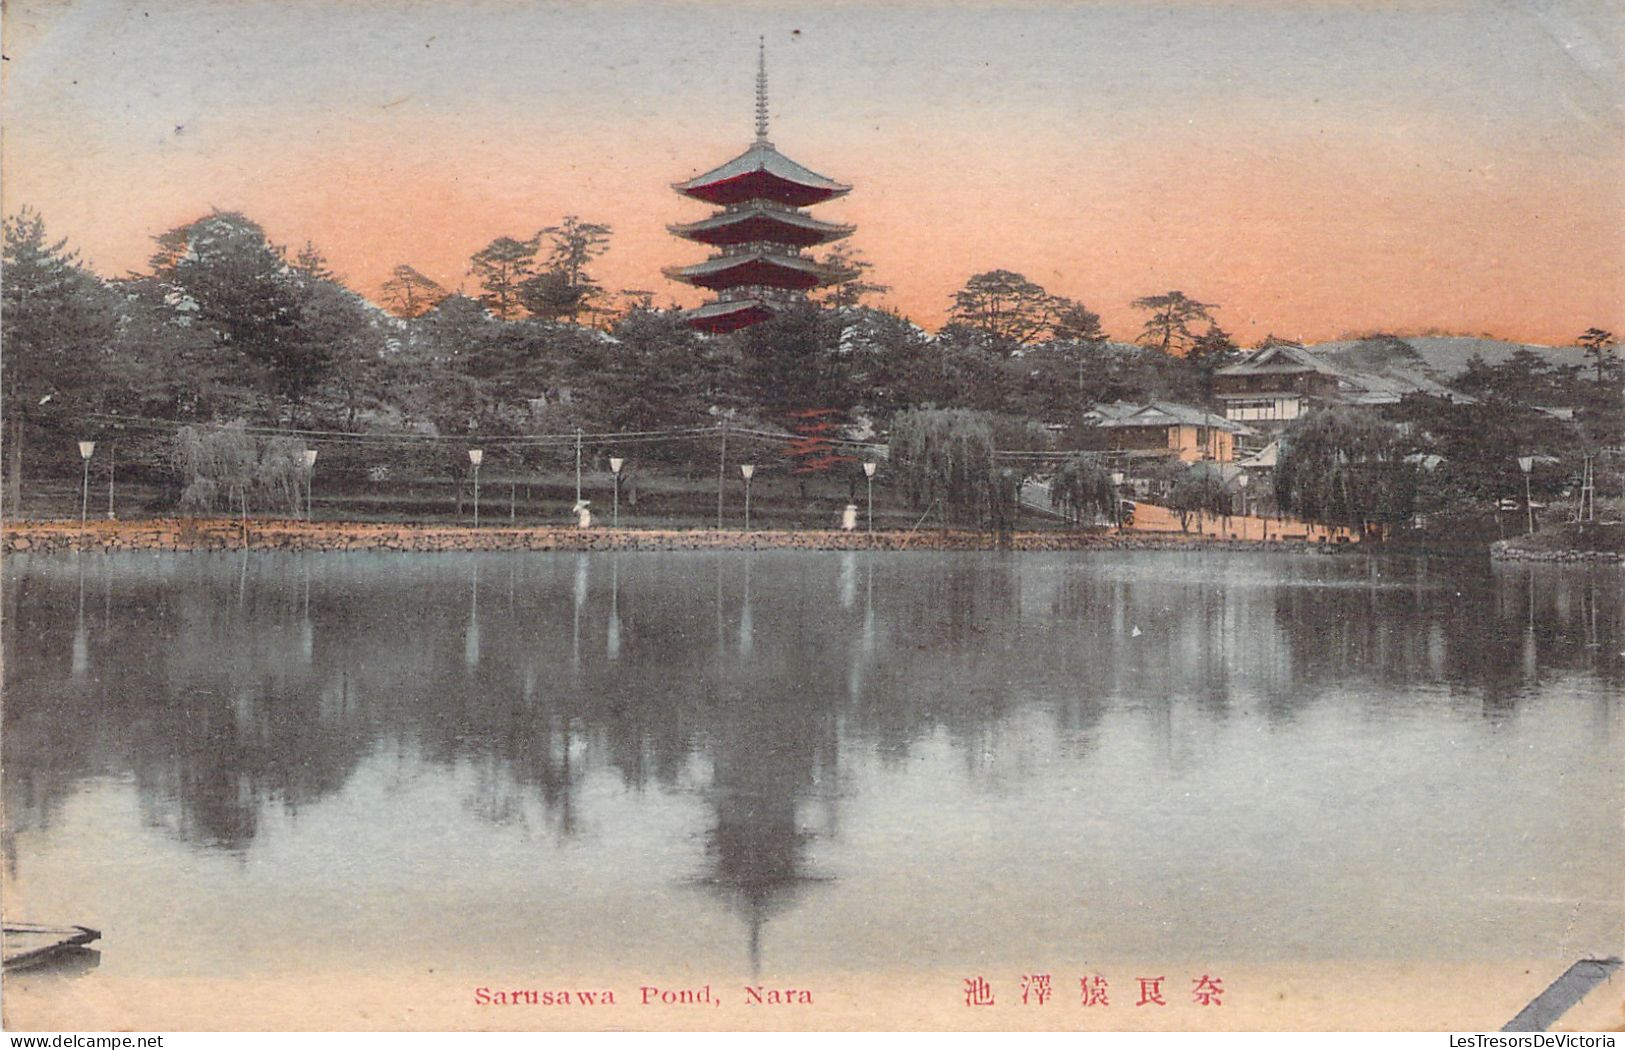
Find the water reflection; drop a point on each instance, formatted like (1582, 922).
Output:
(747, 629)
(771, 745)
(612, 639)
(471, 633)
(229, 689)
(580, 604)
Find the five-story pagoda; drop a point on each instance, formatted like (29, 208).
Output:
(760, 233)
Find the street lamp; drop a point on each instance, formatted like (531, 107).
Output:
(745, 471)
(869, 483)
(86, 448)
(1117, 498)
(1527, 465)
(310, 473)
(1241, 483)
(476, 456)
(615, 465)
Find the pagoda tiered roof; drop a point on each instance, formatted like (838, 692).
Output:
(765, 268)
(762, 173)
(759, 221)
(728, 315)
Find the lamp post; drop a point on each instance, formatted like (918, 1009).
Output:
(1117, 498)
(746, 470)
(86, 449)
(578, 464)
(475, 456)
(1527, 465)
(615, 465)
(869, 483)
(310, 474)
(1241, 483)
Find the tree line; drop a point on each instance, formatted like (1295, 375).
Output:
(223, 326)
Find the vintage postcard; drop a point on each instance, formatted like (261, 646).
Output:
(642, 514)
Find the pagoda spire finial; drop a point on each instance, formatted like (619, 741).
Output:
(761, 89)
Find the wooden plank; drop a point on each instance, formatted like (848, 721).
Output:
(1561, 995)
(25, 944)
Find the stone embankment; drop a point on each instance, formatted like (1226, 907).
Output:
(192, 534)
(1502, 551)
(1571, 541)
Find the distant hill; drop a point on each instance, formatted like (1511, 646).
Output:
(1379, 354)
(1441, 356)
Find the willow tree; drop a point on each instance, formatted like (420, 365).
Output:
(1082, 486)
(1198, 490)
(945, 458)
(220, 466)
(1345, 467)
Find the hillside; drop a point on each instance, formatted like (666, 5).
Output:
(1446, 356)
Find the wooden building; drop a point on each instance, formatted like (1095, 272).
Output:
(1275, 385)
(1173, 430)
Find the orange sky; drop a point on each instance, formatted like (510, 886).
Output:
(1315, 168)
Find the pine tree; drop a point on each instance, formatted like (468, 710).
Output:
(409, 293)
(58, 323)
(1172, 315)
(503, 267)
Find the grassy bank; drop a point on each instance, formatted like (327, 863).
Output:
(667, 500)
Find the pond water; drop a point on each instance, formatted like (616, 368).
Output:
(729, 764)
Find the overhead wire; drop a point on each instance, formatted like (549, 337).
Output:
(561, 439)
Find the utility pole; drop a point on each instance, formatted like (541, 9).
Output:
(578, 465)
(111, 449)
(722, 470)
(1588, 492)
